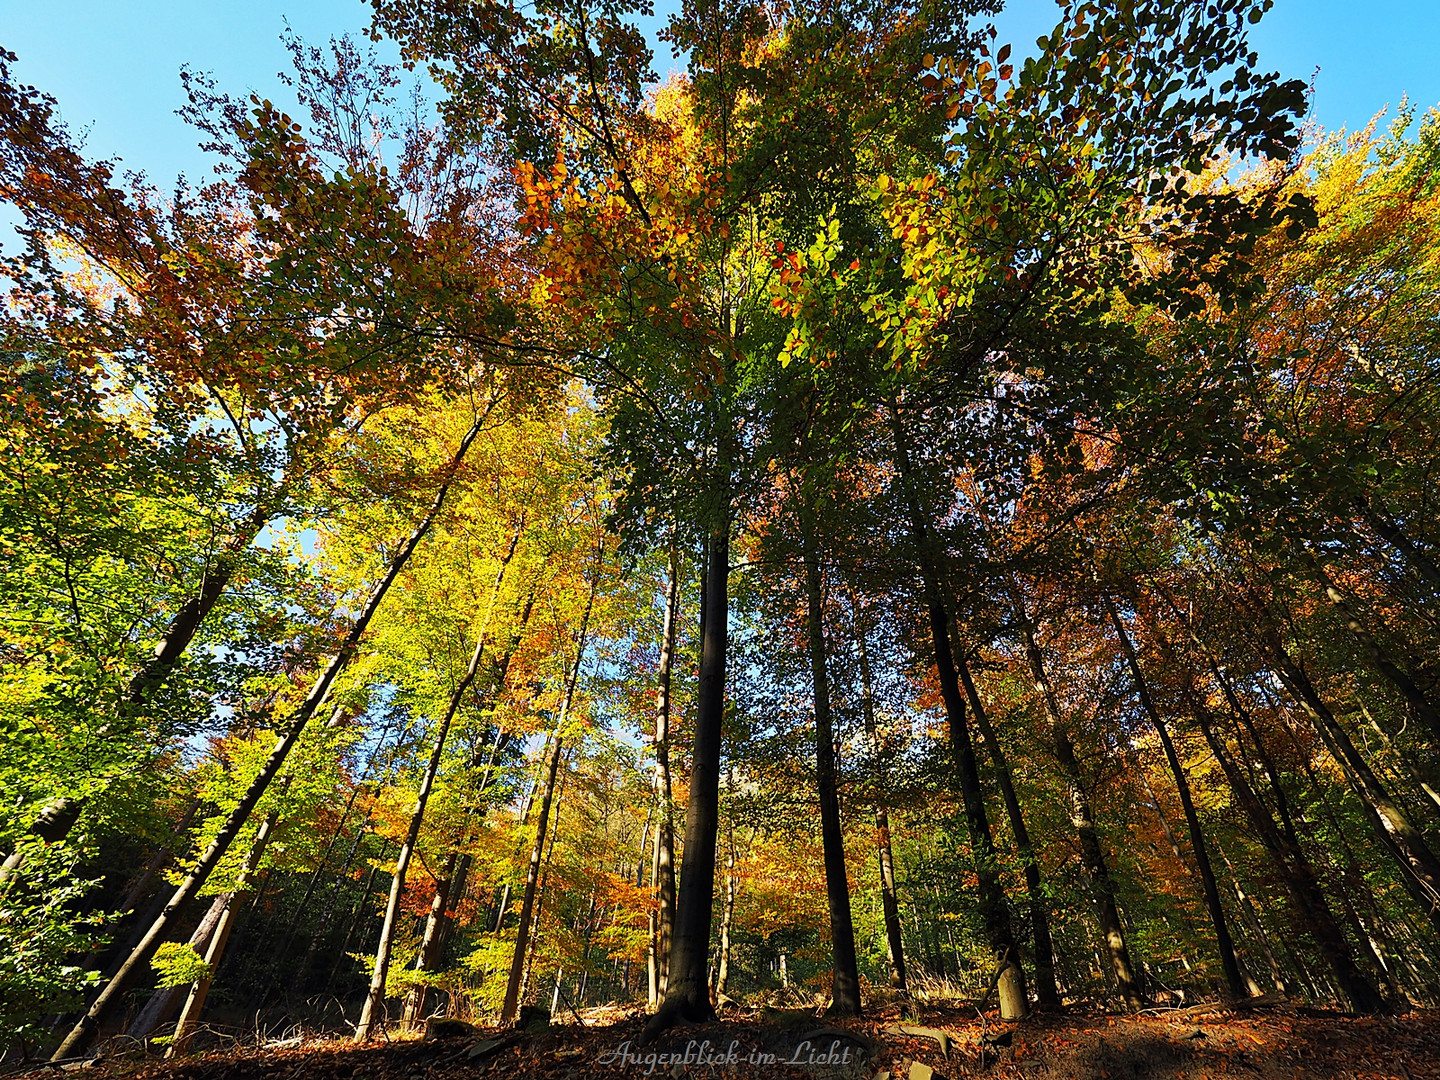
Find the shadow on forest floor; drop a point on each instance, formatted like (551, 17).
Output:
(1187, 1044)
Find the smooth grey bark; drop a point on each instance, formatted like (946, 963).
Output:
(845, 974)
(894, 942)
(687, 991)
(662, 920)
(200, 989)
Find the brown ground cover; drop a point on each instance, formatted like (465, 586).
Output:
(1280, 1043)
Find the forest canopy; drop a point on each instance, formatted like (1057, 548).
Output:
(867, 517)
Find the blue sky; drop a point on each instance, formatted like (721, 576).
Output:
(113, 65)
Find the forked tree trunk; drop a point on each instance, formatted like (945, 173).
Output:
(1224, 944)
(109, 997)
(687, 990)
(845, 975)
(1127, 976)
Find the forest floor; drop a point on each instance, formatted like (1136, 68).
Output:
(1184, 1044)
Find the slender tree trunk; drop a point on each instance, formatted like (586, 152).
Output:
(1424, 708)
(1045, 989)
(687, 989)
(1295, 870)
(375, 1001)
(532, 877)
(727, 913)
(894, 944)
(1224, 944)
(430, 942)
(1419, 560)
(662, 921)
(994, 912)
(845, 976)
(1392, 826)
(1127, 977)
(85, 1028)
(166, 1001)
(195, 1002)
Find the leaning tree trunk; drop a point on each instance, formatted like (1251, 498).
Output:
(532, 876)
(994, 913)
(1046, 991)
(687, 990)
(727, 914)
(1127, 976)
(85, 1028)
(1309, 899)
(894, 944)
(1392, 826)
(1224, 943)
(845, 975)
(195, 1002)
(662, 919)
(375, 1000)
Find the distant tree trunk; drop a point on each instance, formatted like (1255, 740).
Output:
(375, 1000)
(1224, 944)
(994, 913)
(845, 976)
(195, 1002)
(1401, 680)
(662, 920)
(727, 913)
(1419, 560)
(84, 1029)
(1045, 989)
(894, 944)
(527, 903)
(687, 990)
(1127, 978)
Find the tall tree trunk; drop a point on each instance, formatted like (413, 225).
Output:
(994, 913)
(1424, 708)
(1419, 560)
(1127, 977)
(1390, 823)
(195, 1002)
(662, 920)
(687, 990)
(375, 1000)
(1045, 989)
(1224, 944)
(727, 913)
(532, 876)
(845, 975)
(166, 1001)
(1310, 903)
(894, 944)
(85, 1028)
(428, 958)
